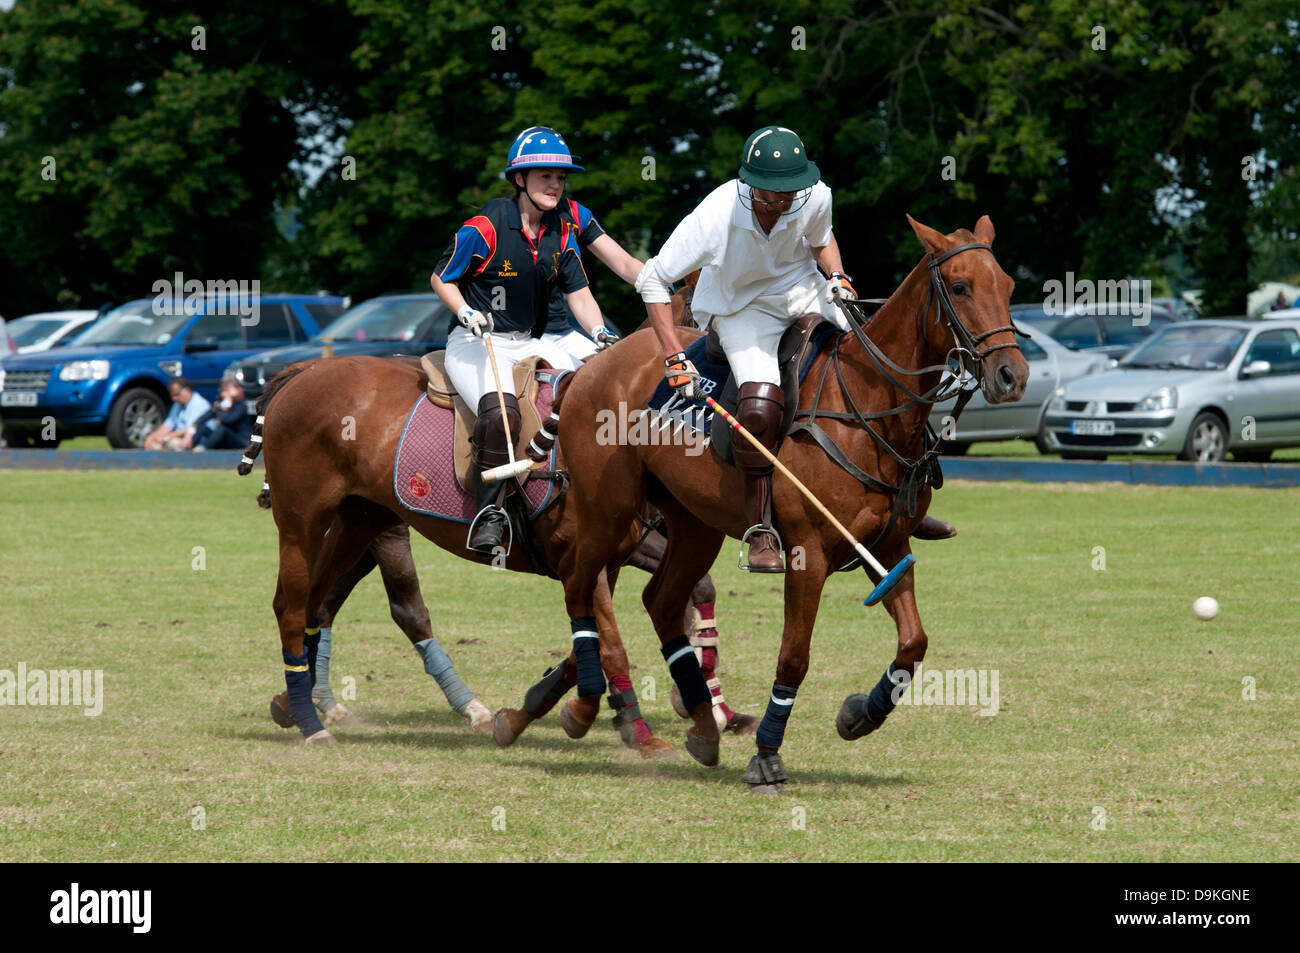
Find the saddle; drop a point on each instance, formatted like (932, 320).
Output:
(441, 392)
(800, 344)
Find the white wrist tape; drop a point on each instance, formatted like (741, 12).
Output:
(652, 288)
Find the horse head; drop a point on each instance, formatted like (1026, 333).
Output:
(972, 297)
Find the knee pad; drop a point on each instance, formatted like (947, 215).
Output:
(760, 409)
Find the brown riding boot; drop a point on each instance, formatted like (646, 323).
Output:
(932, 528)
(759, 411)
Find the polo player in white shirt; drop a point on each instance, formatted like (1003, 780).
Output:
(758, 241)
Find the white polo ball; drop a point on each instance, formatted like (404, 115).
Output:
(1205, 608)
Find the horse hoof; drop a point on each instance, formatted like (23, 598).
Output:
(678, 705)
(767, 789)
(766, 773)
(502, 733)
(703, 750)
(741, 724)
(481, 720)
(852, 721)
(654, 748)
(280, 710)
(572, 726)
(338, 714)
(322, 738)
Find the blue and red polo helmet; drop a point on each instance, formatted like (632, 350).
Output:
(540, 147)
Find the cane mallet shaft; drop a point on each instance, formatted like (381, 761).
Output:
(515, 467)
(891, 576)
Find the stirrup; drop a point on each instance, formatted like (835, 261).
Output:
(744, 540)
(509, 533)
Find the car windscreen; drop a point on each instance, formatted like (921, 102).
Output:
(134, 324)
(1036, 320)
(389, 319)
(1195, 347)
(27, 331)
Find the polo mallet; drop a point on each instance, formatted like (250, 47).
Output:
(505, 422)
(891, 576)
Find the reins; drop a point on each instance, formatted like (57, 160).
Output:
(923, 470)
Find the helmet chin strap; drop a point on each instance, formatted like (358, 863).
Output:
(524, 192)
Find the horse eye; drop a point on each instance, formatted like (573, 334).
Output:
(960, 288)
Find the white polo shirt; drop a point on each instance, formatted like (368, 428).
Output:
(738, 261)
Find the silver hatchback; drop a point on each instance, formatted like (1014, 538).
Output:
(1197, 389)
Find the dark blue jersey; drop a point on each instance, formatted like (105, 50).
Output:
(503, 272)
(561, 319)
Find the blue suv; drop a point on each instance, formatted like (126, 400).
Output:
(113, 379)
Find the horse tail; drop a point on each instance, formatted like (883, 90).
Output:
(255, 440)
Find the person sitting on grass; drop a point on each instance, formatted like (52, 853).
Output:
(177, 431)
(226, 425)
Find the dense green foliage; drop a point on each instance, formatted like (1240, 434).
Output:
(1107, 155)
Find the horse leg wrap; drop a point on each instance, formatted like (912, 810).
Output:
(586, 646)
(542, 697)
(539, 449)
(311, 643)
(297, 678)
(772, 730)
(321, 692)
(623, 700)
(705, 641)
(437, 664)
(685, 669)
(881, 700)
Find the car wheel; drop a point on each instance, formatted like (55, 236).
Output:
(1207, 439)
(1040, 439)
(1252, 456)
(135, 415)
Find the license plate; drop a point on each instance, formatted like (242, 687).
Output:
(1092, 428)
(18, 399)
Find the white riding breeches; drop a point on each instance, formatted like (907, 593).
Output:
(470, 372)
(750, 336)
(575, 344)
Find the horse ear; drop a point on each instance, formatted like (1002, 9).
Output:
(934, 242)
(984, 230)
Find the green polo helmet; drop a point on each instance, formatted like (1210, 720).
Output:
(775, 159)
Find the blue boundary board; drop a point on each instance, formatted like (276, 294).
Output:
(996, 469)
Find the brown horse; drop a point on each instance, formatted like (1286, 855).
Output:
(389, 550)
(951, 303)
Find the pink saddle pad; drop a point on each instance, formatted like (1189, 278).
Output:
(424, 474)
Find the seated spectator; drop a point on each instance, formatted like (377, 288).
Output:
(1280, 304)
(226, 426)
(177, 431)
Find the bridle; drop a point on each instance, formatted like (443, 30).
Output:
(969, 352)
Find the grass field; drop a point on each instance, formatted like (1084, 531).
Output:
(1116, 705)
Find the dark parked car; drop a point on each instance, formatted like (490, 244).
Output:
(113, 379)
(391, 324)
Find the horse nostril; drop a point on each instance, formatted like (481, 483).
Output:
(1006, 379)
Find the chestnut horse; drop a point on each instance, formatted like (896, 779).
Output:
(953, 304)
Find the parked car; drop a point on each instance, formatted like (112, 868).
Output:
(414, 323)
(1196, 389)
(1286, 314)
(1181, 308)
(1095, 328)
(1050, 366)
(48, 329)
(113, 379)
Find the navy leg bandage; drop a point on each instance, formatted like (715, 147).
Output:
(881, 700)
(685, 669)
(297, 678)
(311, 643)
(771, 731)
(586, 647)
(437, 664)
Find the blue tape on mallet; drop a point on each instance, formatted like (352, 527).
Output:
(890, 580)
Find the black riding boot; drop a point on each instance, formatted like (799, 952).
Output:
(490, 451)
